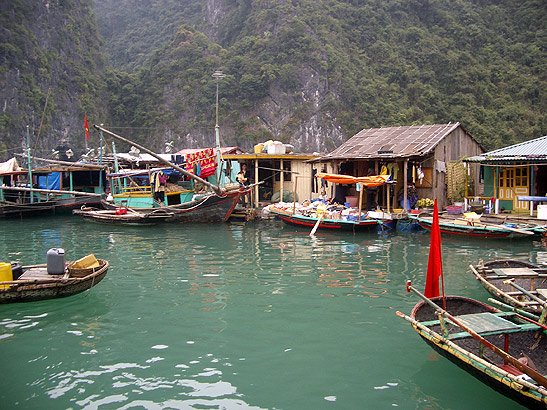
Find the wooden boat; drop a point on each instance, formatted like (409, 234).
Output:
(519, 284)
(474, 227)
(365, 224)
(37, 284)
(503, 350)
(210, 207)
(125, 216)
(51, 189)
(215, 205)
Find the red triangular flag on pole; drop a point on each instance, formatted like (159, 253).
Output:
(435, 264)
(86, 127)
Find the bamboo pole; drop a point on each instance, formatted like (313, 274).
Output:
(49, 191)
(70, 164)
(361, 201)
(388, 190)
(215, 188)
(405, 185)
(294, 195)
(281, 181)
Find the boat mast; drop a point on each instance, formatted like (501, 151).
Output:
(29, 167)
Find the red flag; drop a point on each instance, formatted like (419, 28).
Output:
(435, 264)
(86, 127)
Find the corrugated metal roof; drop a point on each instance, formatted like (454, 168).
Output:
(392, 142)
(528, 151)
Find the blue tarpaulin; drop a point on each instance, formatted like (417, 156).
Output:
(50, 181)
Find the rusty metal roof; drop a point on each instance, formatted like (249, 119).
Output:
(392, 142)
(528, 151)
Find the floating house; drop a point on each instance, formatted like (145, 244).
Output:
(424, 160)
(516, 171)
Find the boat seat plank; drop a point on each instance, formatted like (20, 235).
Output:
(38, 273)
(523, 276)
(542, 292)
(519, 328)
(486, 322)
(509, 272)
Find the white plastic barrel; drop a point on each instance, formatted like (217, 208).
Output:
(55, 261)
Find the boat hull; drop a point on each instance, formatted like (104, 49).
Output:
(505, 292)
(131, 218)
(464, 351)
(211, 208)
(26, 291)
(470, 231)
(327, 224)
(8, 210)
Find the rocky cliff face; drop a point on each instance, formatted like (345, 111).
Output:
(51, 68)
(295, 107)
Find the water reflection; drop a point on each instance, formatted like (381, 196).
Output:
(235, 315)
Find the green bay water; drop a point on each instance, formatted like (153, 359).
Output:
(236, 316)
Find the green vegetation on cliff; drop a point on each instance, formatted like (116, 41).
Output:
(382, 63)
(308, 71)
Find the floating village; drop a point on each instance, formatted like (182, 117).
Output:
(425, 178)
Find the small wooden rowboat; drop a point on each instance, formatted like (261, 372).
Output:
(501, 349)
(475, 227)
(37, 284)
(325, 223)
(519, 284)
(125, 216)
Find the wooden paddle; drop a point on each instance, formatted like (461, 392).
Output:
(316, 225)
(539, 378)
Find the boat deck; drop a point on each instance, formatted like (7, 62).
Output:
(40, 273)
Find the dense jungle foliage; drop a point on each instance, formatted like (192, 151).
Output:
(384, 62)
(321, 68)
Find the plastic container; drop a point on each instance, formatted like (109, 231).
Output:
(542, 211)
(89, 261)
(276, 148)
(5, 274)
(16, 270)
(402, 204)
(55, 259)
(259, 148)
(352, 201)
(120, 211)
(454, 210)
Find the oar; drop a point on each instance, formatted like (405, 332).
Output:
(518, 312)
(540, 379)
(316, 225)
(526, 292)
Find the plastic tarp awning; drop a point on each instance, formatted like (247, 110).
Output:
(50, 181)
(373, 180)
(9, 166)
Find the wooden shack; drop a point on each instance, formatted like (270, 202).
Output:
(424, 160)
(278, 176)
(514, 176)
